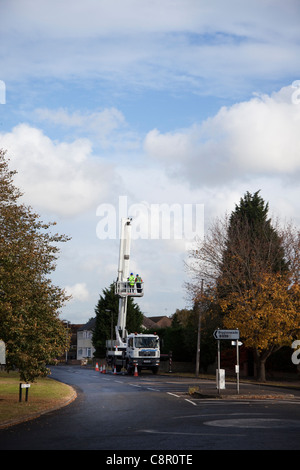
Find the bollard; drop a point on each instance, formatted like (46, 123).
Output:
(170, 361)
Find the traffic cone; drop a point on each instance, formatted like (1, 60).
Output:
(97, 367)
(115, 370)
(136, 371)
(101, 369)
(104, 371)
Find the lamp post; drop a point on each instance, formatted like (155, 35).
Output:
(111, 327)
(67, 323)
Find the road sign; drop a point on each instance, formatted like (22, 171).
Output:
(226, 334)
(233, 335)
(239, 343)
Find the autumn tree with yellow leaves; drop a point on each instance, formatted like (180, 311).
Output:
(253, 270)
(267, 315)
(29, 302)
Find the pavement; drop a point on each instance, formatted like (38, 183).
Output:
(281, 390)
(249, 390)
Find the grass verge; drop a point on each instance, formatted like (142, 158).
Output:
(44, 395)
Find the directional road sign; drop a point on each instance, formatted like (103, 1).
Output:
(226, 334)
(233, 343)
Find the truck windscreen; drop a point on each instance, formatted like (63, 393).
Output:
(146, 342)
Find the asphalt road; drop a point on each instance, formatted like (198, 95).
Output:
(154, 413)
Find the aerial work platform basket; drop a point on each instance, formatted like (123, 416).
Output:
(124, 289)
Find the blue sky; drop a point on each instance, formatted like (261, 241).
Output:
(162, 102)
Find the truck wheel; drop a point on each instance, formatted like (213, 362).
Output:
(155, 370)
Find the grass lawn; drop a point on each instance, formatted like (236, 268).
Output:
(43, 395)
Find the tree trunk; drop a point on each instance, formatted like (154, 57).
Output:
(260, 358)
(261, 370)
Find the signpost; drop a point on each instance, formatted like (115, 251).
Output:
(237, 367)
(229, 335)
(2, 354)
(26, 386)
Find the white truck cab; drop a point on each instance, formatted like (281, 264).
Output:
(142, 351)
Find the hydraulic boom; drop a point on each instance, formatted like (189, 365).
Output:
(136, 349)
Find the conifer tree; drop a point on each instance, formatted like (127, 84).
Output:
(107, 316)
(253, 246)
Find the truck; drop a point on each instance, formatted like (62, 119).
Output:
(135, 351)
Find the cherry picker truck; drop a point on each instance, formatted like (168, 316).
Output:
(134, 351)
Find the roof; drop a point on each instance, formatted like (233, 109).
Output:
(90, 325)
(148, 323)
(161, 321)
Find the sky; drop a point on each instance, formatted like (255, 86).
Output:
(167, 111)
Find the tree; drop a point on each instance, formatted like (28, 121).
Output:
(29, 302)
(252, 246)
(181, 337)
(242, 257)
(254, 262)
(267, 315)
(107, 316)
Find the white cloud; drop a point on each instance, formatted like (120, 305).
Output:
(252, 138)
(93, 18)
(101, 124)
(60, 177)
(78, 291)
(216, 47)
(102, 121)
(106, 128)
(171, 147)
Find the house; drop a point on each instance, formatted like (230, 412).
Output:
(72, 352)
(162, 321)
(85, 348)
(150, 323)
(70, 355)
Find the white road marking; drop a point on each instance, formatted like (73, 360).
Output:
(173, 394)
(190, 401)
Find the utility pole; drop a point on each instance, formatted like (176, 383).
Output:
(67, 331)
(199, 333)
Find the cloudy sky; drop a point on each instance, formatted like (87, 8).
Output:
(141, 107)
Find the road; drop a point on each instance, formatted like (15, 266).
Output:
(116, 413)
